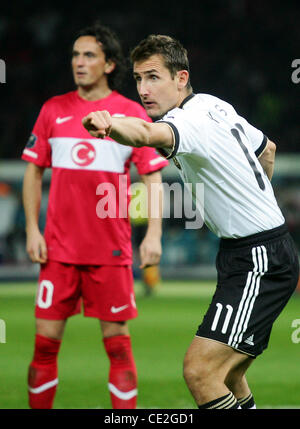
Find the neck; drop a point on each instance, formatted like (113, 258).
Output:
(94, 93)
(186, 94)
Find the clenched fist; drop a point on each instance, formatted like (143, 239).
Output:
(98, 124)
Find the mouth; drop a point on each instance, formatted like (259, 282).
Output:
(80, 74)
(149, 104)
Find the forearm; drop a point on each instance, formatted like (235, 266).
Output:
(268, 167)
(155, 203)
(150, 249)
(32, 194)
(131, 132)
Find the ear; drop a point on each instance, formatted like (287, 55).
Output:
(109, 66)
(183, 78)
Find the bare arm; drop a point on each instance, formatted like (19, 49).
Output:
(267, 158)
(32, 194)
(129, 131)
(150, 248)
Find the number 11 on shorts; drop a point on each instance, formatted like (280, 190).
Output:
(229, 309)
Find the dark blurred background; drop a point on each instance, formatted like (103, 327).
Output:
(239, 50)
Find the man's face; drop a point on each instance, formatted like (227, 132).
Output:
(88, 62)
(159, 92)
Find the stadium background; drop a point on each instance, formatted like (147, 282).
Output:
(240, 51)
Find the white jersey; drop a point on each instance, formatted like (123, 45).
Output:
(217, 147)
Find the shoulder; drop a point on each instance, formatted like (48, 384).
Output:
(61, 99)
(54, 106)
(212, 101)
(130, 107)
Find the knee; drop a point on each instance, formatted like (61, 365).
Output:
(113, 329)
(52, 329)
(195, 371)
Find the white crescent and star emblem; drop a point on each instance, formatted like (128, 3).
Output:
(83, 153)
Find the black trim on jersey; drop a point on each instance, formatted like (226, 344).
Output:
(162, 151)
(188, 98)
(262, 146)
(176, 142)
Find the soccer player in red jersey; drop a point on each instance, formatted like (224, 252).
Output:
(85, 253)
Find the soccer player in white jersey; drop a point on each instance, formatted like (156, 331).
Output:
(257, 262)
(84, 253)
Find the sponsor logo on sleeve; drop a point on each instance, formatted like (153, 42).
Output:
(31, 141)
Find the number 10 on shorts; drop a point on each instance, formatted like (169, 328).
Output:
(45, 294)
(229, 310)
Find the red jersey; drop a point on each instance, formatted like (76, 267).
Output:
(82, 167)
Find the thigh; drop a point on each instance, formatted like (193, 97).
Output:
(108, 292)
(58, 294)
(214, 358)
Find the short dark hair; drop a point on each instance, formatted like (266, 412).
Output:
(112, 49)
(174, 54)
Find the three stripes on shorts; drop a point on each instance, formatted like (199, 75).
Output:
(251, 291)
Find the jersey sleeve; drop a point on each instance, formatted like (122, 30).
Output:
(38, 149)
(147, 160)
(190, 134)
(255, 136)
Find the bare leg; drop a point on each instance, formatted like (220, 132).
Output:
(207, 364)
(111, 329)
(236, 379)
(51, 328)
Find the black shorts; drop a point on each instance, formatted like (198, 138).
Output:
(256, 277)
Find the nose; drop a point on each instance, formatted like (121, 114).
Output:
(143, 88)
(79, 61)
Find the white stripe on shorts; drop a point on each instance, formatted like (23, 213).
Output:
(251, 290)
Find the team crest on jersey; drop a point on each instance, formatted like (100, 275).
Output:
(83, 153)
(31, 141)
